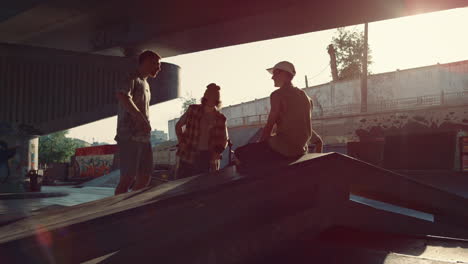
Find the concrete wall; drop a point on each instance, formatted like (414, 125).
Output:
(431, 80)
(251, 108)
(94, 161)
(419, 82)
(369, 127)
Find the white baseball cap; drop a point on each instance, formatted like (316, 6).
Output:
(284, 66)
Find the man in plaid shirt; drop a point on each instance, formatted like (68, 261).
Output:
(205, 135)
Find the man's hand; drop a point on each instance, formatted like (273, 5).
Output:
(272, 117)
(144, 124)
(134, 112)
(215, 156)
(214, 165)
(214, 161)
(264, 137)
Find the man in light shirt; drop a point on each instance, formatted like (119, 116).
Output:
(133, 125)
(291, 113)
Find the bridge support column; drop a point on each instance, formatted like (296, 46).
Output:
(18, 155)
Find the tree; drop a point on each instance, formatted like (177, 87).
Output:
(189, 100)
(56, 147)
(349, 47)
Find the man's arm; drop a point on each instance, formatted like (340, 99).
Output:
(317, 141)
(272, 117)
(222, 144)
(178, 127)
(216, 156)
(315, 138)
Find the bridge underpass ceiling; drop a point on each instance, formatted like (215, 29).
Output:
(177, 27)
(46, 90)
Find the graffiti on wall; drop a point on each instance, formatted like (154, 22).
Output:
(94, 166)
(95, 161)
(376, 126)
(423, 121)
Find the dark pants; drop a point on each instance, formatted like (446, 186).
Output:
(201, 164)
(257, 154)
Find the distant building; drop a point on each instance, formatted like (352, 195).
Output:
(158, 136)
(171, 128)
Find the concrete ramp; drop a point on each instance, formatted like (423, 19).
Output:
(231, 218)
(110, 180)
(240, 136)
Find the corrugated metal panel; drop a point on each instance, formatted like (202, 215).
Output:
(34, 91)
(41, 86)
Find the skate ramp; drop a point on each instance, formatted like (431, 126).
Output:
(110, 180)
(240, 136)
(232, 218)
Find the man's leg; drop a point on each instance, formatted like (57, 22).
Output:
(184, 170)
(202, 163)
(145, 166)
(128, 162)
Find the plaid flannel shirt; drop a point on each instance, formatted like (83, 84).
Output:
(191, 136)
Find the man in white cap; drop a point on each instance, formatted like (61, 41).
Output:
(291, 113)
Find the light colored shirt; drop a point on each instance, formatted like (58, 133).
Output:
(138, 90)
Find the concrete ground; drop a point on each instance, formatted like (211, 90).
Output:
(19, 208)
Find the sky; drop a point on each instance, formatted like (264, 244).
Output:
(400, 43)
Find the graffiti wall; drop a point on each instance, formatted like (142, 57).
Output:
(370, 127)
(93, 162)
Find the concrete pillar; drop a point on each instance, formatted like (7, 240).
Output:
(33, 154)
(14, 163)
(18, 155)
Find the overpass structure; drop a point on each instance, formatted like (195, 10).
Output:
(120, 28)
(270, 215)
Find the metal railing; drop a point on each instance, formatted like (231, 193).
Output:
(410, 103)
